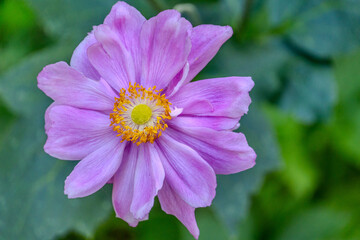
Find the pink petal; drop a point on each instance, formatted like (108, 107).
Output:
(75, 133)
(206, 41)
(123, 186)
(95, 170)
(216, 123)
(226, 152)
(111, 59)
(126, 22)
(225, 97)
(149, 177)
(171, 203)
(80, 61)
(67, 86)
(186, 172)
(165, 45)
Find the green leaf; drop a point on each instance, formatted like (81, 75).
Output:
(69, 19)
(314, 224)
(233, 10)
(322, 28)
(234, 191)
(18, 86)
(260, 60)
(33, 205)
(345, 126)
(300, 175)
(310, 91)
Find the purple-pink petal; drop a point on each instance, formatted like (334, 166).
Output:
(165, 45)
(172, 203)
(216, 123)
(225, 97)
(67, 86)
(111, 59)
(227, 152)
(149, 177)
(80, 60)
(206, 41)
(95, 170)
(75, 133)
(123, 186)
(190, 176)
(126, 22)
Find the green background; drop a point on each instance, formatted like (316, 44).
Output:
(304, 122)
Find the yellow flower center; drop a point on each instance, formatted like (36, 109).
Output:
(140, 114)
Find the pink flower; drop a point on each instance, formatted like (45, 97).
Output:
(126, 108)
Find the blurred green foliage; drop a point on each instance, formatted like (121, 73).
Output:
(304, 123)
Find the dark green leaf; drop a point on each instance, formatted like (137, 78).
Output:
(73, 19)
(310, 91)
(260, 60)
(323, 28)
(33, 205)
(18, 86)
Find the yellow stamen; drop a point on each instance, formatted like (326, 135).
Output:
(142, 129)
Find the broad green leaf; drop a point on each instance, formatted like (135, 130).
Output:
(33, 205)
(232, 200)
(73, 19)
(18, 86)
(260, 60)
(309, 92)
(233, 10)
(322, 28)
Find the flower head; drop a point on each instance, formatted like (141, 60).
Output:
(127, 109)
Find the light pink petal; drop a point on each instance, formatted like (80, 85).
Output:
(149, 177)
(227, 152)
(75, 133)
(206, 41)
(80, 61)
(178, 81)
(225, 97)
(111, 59)
(165, 45)
(67, 86)
(95, 170)
(190, 176)
(171, 203)
(126, 22)
(123, 186)
(216, 123)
